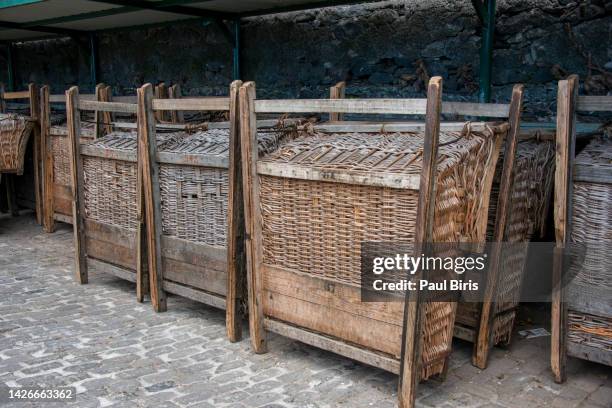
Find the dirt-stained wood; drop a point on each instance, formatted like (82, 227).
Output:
(484, 339)
(410, 369)
(236, 262)
(76, 173)
(147, 152)
(47, 160)
(565, 150)
(252, 216)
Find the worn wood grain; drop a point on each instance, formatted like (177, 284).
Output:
(484, 338)
(76, 174)
(252, 216)
(47, 159)
(147, 152)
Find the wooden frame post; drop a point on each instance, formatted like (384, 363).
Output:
(252, 216)
(567, 96)
(147, 154)
(174, 92)
(337, 91)
(34, 113)
(142, 264)
(235, 242)
(47, 161)
(76, 172)
(484, 337)
(99, 115)
(161, 92)
(410, 369)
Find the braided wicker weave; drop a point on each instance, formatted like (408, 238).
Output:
(316, 228)
(530, 194)
(60, 151)
(195, 198)
(14, 135)
(592, 281)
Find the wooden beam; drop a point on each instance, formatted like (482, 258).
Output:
(594, 103)
(34, 114)
(252, 216)
(236, 262)
(412, 332)
(147, 152)
(47, 159)
(108, 106)
(567, 96)
(485, 332)
(337, 91)
(374, 106)
(98, 114)
(76, 173)
(174, 92)
(192, 104)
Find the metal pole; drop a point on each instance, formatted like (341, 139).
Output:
(93, 60)
(11, 67)
(236, 51)
(486, 52)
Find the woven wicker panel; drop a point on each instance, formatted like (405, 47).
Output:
(14, 134)
(110, 185)
(591, 220)
(60, 149)
(317, 227)
(194, 199)
(531, 184)
(590, 330)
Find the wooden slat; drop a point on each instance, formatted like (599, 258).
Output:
(592, 174)
(380, 127)
(61, 98)
(564, 157)
(192, 104)
(198, 254)
(111, 252)
(114, 270)
(200, 276)
(252, 215)
(359, 354)
(491, 110)
(201, 160)
(337, 91)
(484, 339)
(142, 265)
(96, 151)
(161, 92)
(110, 233)
(464, 333)
(17, 95)
(63, 218)
(194, 294)
(590, 299)
(147, 152)
(37, 152)
(594, 103)
(47, 159)
(98, 114)
(235, 256)
(108, 106)
(335, 295)
(174, 92)
(391, 180)
(378, 106)
(589, 353)
(413, 312)
(76, 173)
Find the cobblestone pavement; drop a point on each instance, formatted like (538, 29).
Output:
(119, 353)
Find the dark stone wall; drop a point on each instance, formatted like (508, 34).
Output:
(385, 48)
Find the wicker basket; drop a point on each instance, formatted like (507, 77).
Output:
(312, 230)
(60, 145)
(588, 293)
(529, 199)
(14, 135)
